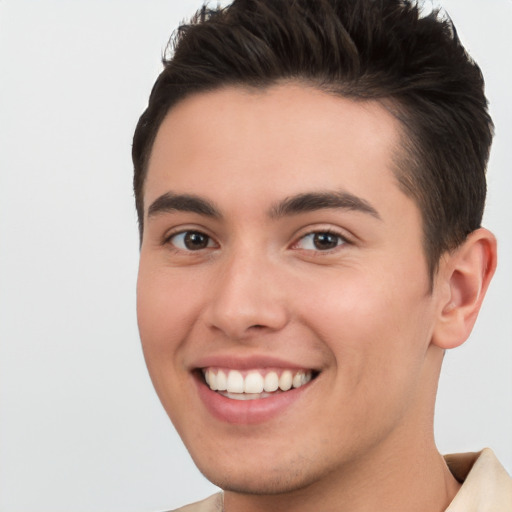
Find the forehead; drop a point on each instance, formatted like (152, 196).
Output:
(279, 140)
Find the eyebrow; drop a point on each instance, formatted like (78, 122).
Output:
(293, 205)
(170, 202)
(312, 201)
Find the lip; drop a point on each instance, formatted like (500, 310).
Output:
(234, 362)
(246, 412)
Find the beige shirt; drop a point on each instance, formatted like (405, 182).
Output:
(487, 487)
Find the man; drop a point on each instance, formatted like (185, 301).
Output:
(310, 181)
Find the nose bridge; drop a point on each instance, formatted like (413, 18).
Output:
(246, 294)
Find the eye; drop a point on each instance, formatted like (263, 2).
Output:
(320, 241)
(191, 241)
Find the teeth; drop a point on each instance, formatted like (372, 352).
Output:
(300, 378)
(286, 380)
(271, 382)
(222, 381)
(235, 382)
(296, 381)
(213, 381)
(254, 384)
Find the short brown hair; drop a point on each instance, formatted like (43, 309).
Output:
(382, 50)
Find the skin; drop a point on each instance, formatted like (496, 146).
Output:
(360, 436)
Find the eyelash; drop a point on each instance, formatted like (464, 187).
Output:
(341, 240)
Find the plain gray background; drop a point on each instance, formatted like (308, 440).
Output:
(80, 426)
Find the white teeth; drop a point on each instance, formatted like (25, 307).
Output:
(246, 396)
(213, 381)
(296, 381)
(222, 381)
(301, 378)
(271, 382)
(286, 380)
(235, 383)
(254, 385)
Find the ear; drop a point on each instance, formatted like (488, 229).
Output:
(463, 279)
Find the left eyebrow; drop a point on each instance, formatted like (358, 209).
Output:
(312, 201)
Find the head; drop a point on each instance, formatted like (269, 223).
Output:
(422, 75)
(309, 179)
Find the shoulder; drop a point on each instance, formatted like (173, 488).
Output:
(211, 504)
(486, 486)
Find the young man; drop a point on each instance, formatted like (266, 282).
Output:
(310, 181)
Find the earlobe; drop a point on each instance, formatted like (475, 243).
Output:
(465, 276)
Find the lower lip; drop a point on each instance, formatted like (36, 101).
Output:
(246, 412)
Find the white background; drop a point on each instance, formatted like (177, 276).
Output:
(80, 426)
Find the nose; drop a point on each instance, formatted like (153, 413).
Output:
(247, 297)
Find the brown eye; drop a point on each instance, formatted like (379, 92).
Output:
(191, 241)
(324, 241)
(320, 241)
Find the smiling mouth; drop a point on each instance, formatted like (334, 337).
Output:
(255, 384)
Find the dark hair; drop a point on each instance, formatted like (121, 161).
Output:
(382, 50)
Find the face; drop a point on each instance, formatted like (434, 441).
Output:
(281, 263)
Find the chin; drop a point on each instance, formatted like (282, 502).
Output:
(261, 485)
(253, 477)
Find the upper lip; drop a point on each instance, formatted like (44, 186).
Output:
(237, 362)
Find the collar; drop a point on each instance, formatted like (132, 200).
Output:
(486, 486)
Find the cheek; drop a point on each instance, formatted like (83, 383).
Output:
(376, 329)
(161, 314)
(164, 323)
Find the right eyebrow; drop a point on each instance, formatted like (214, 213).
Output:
(170, 202)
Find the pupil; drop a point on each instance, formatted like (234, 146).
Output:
(325, 241)
(194, 240)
